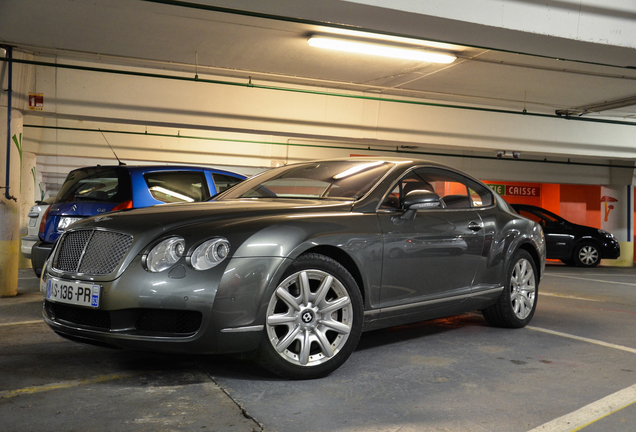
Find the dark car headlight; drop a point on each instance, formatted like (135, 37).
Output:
(210, 253)
(165, 254)
(606, 234)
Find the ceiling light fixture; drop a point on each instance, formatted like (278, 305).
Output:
(379, 50)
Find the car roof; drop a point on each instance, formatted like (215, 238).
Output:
(147, 168)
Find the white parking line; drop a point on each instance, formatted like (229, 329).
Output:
(591, 280)
(595, 411)
(584, 339)
(591, 413)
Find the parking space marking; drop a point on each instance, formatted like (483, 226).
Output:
(584, 339)
(6, 394)
(21, 323)
(589, 414)
(592, 280)
(568, 297)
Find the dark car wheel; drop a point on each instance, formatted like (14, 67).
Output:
(586, 255)
(518, 301)
(314, 319)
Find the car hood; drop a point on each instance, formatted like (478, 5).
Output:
(170, 216)
(584, 230)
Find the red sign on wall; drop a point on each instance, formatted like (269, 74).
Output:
(36, 101)
(525, 191)
(520, 191)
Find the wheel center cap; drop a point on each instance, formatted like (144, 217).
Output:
(307, 316)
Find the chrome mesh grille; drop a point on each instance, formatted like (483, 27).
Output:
(92, 252)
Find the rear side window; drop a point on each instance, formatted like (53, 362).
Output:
(480, 195)
(177, 186)
(96, 184)
(224, 182)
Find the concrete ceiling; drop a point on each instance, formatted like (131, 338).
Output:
(266, 40)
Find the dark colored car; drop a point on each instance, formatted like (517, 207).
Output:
(293, 264)
(573, 244)
(96, 190)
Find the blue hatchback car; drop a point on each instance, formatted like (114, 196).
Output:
(95, 190)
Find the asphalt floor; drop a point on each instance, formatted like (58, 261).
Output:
(572, 369)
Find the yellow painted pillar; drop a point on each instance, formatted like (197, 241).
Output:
(10, 207)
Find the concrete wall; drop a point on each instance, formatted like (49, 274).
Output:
(146, 118)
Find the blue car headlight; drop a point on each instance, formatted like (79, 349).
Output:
(165, 254)
(210, 253)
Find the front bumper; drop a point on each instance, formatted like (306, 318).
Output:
(611, 249)
(198, 312)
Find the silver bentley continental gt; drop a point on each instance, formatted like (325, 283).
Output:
(292, 265)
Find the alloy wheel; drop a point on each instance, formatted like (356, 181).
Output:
(309, 318)
(588, 255)
(523, 288)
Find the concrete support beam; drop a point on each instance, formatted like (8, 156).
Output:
(299, 113)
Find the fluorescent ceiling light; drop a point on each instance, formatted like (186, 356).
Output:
(379, 50)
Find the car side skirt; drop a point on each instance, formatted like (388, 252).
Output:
(420, 311)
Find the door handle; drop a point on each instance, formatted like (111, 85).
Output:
(474, 226)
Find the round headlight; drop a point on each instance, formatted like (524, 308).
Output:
(165, 254)
(210, 253)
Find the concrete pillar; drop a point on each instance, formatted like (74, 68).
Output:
(617, 214)
(29, 193)
(10, 208)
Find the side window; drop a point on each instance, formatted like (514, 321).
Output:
(177, 186)
(410, 182)
(455, 190)
(223, 182)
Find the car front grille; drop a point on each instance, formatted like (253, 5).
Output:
(169, 321)
(91, 252)
(151, 322)
(80, 316)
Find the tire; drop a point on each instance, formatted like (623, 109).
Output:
(586, 255)
(314, 319)
(518, 301)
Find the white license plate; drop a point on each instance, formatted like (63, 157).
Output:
(32, 222)
(76, 293)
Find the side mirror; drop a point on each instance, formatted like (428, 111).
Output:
(421, 199)
(418, 200)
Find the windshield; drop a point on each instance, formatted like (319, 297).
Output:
(342, 179)
(96, 184)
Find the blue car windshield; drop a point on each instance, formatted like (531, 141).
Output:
(347, 180)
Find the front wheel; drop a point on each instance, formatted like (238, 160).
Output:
(586, 255)
(517, 303)
(314, 319)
